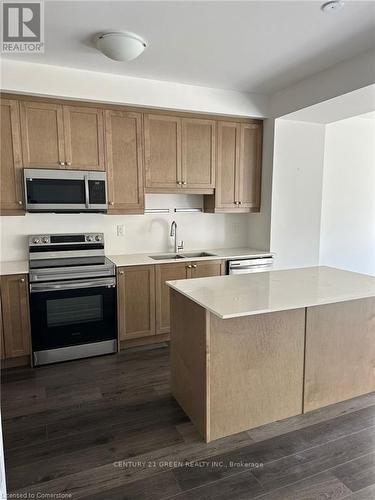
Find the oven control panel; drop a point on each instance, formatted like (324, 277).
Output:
(65, 239)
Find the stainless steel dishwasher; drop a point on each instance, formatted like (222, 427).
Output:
(250, 265)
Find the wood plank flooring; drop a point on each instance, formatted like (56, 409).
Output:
(108, 428)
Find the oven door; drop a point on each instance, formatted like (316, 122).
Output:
(72, 313)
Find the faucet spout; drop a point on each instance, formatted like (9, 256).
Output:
(173, 232)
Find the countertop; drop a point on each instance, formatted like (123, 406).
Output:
(139, 259)
(270, 291)
(14, 267)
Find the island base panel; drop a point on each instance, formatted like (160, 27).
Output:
(256, 370)
(189, 359)
(340, 352)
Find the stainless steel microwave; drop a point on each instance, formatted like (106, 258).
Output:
(65, 191)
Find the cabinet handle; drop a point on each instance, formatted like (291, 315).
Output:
(184, 183)
(194, 266)
(111, 203)
(239, 202)
(61, 163)
(20, 202)
(68, 163)
(22, 280)
(179, 183)
(121, 272)
(189, 266)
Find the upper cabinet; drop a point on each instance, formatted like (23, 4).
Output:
(250, 166)
(124, 157)
(179, 154)
(162, 139)
(57, 136)
(198, 153)
(84, 136)
(11, 190)
(42, 129)
(238, 172)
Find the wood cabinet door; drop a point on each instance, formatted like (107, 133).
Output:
(250, 166)
(198, 154)
(136, 301)
(227, 165)
(84, 138)
(205, 269)
(42, 131)
(162, 139)
(166, 272)
(124, 157)
(16, 318)
(11, 177)
(2, 348)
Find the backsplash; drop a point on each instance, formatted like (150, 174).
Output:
(142, 233)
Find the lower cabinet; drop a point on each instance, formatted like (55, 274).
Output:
(166, 272)
(15, 316)
(136, 301)
(179, 271)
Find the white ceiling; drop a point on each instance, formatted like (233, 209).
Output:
(258, 46)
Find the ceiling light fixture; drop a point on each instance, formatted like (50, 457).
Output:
(120, 46)
(332, 6)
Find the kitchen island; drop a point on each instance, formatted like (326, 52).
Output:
(255, 348)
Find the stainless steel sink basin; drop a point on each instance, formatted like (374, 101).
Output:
(167, 256)
(194, 255)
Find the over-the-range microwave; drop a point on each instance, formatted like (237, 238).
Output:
(65, 190)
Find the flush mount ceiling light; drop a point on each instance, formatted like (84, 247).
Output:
(120, 46)
(332, 6)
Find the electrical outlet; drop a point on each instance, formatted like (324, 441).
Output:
(120, 230)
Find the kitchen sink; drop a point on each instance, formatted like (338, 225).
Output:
(194, 255)
(167, 256)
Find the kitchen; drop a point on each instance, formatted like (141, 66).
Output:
(114, 192)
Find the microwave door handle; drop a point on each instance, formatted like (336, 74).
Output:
(87, 196)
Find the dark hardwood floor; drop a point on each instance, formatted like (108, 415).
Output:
(108, 428)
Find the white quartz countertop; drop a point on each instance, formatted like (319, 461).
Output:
(270, 291)
(142, 259)
(139, 259)
(14, 267)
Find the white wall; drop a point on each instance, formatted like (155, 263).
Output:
(296, 193)
(43, 79)
(348, 202)
(143, 233)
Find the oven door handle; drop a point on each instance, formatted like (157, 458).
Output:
(72, 285)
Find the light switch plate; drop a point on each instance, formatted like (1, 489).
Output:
(120, 229)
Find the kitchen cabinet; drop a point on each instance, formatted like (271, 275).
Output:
(2, 349)
(59, 136)
(84, 138)
(42, 128)
(238, 172)
(179, 154)
(162, 140)
(136, 301)
(124, 154)
(11, 177)
(15, 315)
(178, 271)
(205, 269)
(166, 272)
(198, 153)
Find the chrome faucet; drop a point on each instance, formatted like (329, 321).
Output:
(174, 233)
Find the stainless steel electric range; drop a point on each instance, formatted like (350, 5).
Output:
(72, 297)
